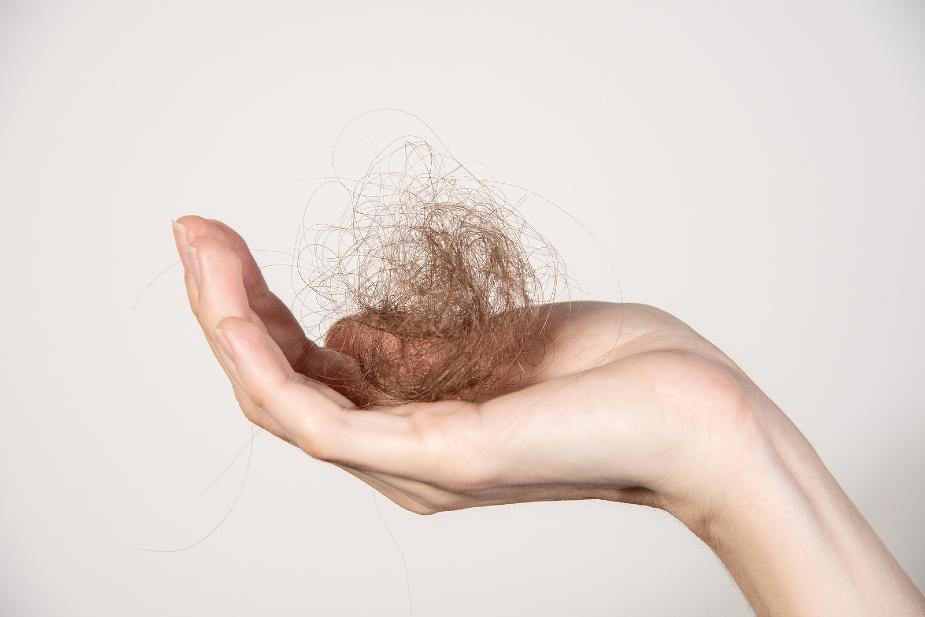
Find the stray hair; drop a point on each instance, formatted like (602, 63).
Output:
(432, 281)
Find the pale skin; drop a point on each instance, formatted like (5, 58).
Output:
(628, 404)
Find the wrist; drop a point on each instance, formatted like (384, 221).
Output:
(787, 532)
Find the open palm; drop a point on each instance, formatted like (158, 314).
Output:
(627, 402)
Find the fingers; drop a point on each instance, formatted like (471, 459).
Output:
(268, 389)
(335, 369)
(319, 420)
(219, 283)
(325, 424)
(193, 277)
(275, 315)
(605, 426)
(274, 395)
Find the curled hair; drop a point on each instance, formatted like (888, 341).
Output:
(432, 281)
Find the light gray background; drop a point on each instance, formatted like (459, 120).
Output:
(754, 167)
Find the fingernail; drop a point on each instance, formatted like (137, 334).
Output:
(180, 238)
(223, 343)
(193, 259)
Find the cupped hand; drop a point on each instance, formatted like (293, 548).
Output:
(627, 403)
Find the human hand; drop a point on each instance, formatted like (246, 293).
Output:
(628, 404)
(620, 406)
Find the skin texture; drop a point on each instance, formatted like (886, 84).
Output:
(627, 404)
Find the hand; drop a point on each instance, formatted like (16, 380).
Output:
(628, 404)
(622, 406)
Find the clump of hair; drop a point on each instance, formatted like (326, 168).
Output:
(433, 277)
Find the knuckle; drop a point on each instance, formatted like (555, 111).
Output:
(258, 398)
(720, 394)
(269, 394)
(251, 411)
(719, 384)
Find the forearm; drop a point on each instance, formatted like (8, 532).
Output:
(794, 541)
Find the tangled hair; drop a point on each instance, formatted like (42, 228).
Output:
(432, 281)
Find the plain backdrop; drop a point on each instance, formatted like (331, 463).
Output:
(756, 168)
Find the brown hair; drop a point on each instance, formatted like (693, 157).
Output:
(432, 281)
